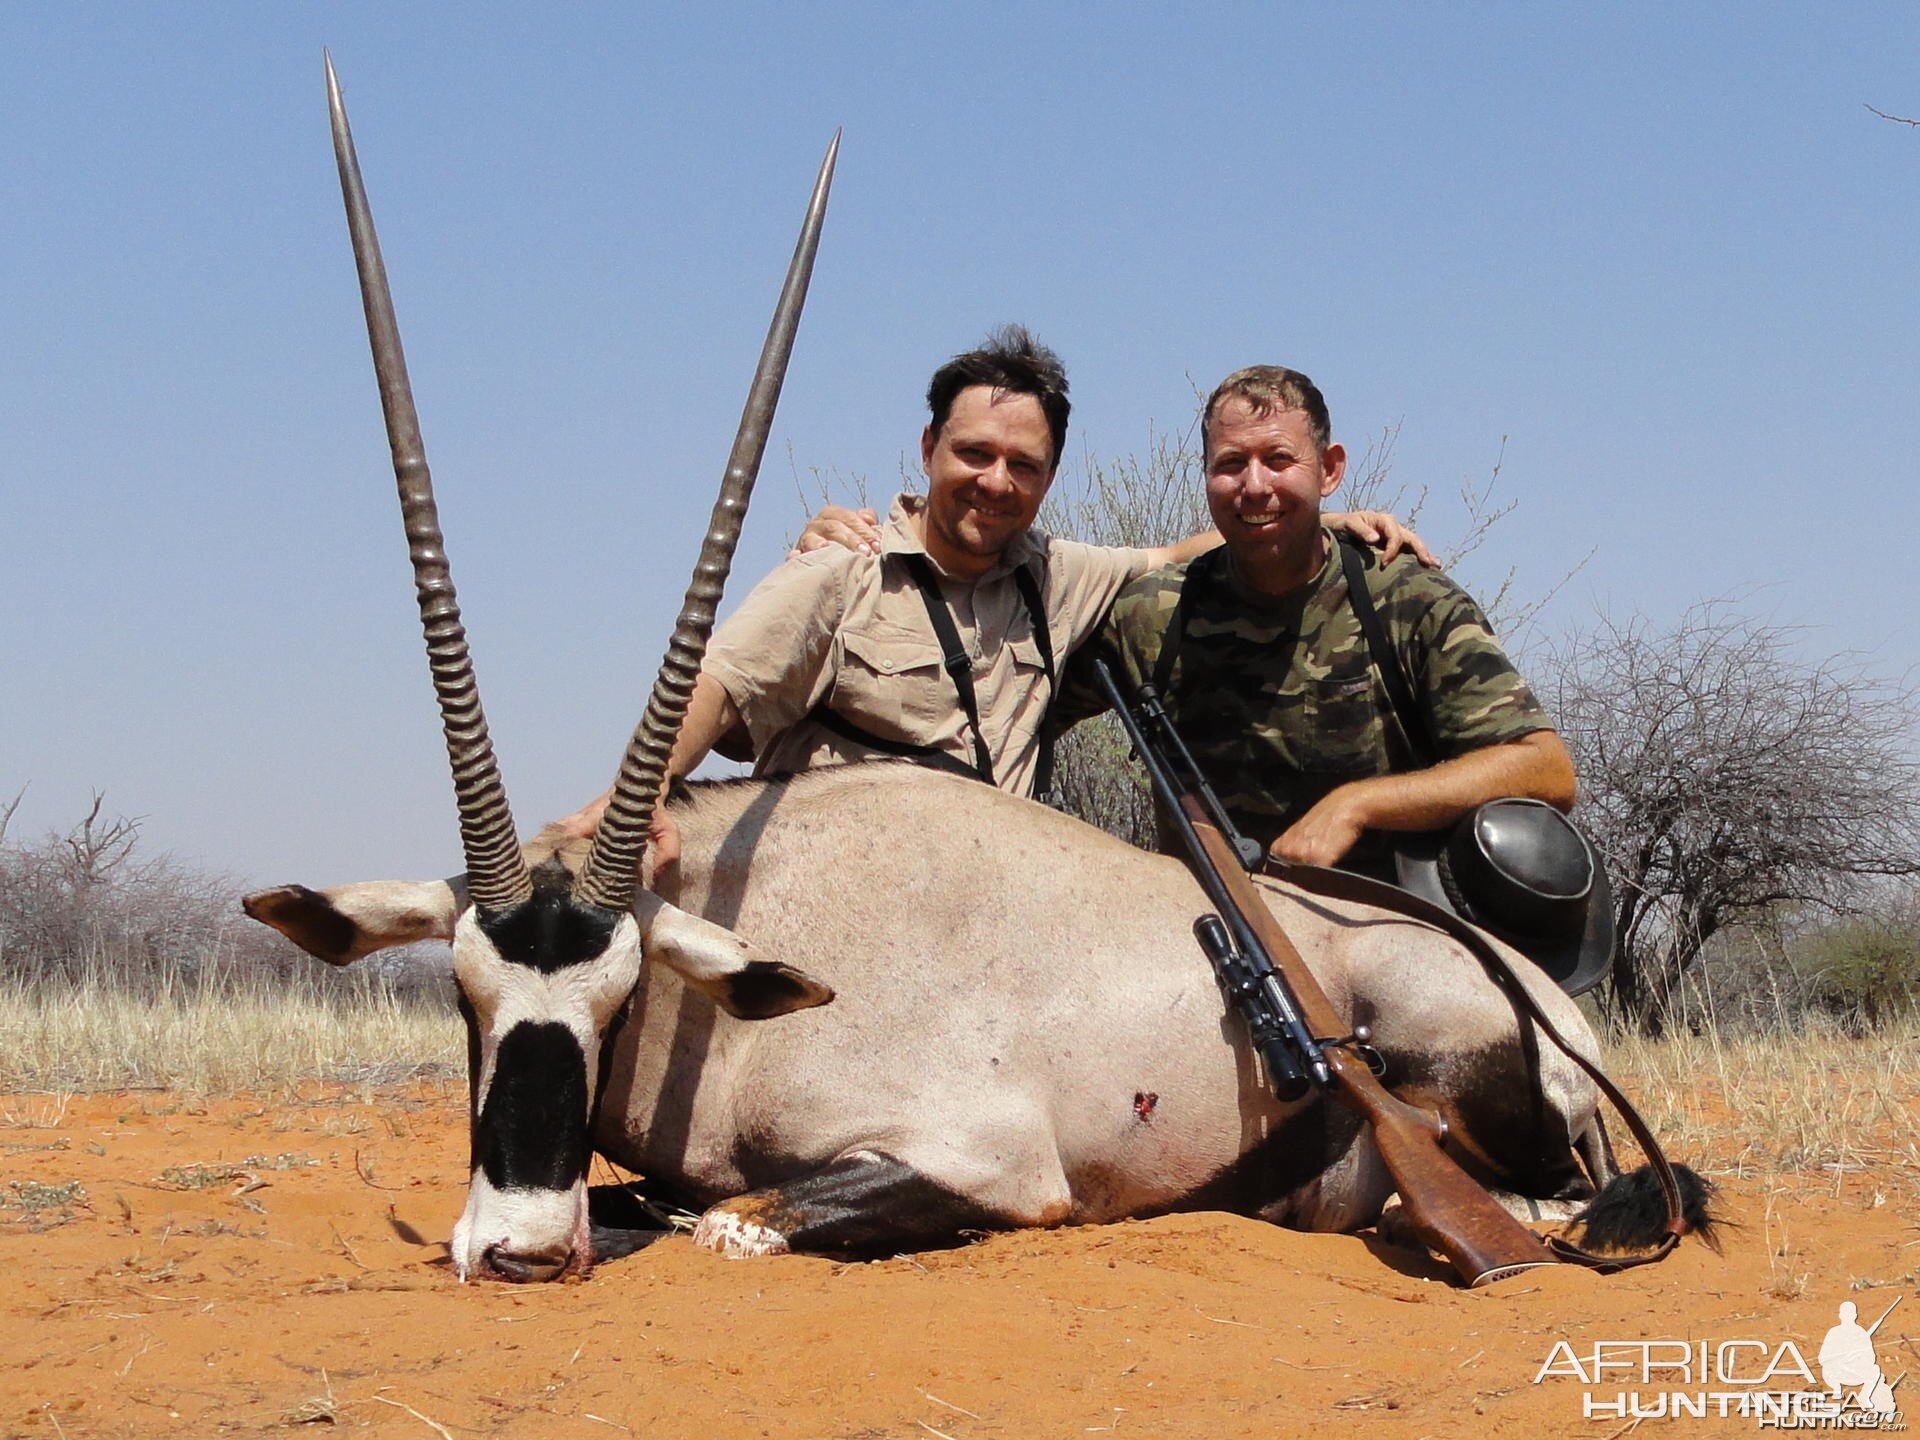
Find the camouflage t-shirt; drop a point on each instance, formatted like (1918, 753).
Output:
(1277, 696)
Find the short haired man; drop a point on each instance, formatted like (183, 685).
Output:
(1260, 657)
(935, 635)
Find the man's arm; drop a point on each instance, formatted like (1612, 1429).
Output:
(859, 531)
(1377, 528)
(772, 652)
(1535, 767)
(710, 714)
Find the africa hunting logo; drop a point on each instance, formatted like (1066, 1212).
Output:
(1767, 1382)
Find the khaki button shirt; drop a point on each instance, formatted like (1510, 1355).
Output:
(852, 631)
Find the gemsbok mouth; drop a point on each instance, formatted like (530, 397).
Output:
(499, 1263)
(519, 1260)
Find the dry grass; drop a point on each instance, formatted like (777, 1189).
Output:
(1807, 1103)
(92, 1034)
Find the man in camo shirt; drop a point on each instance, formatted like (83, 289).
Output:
(1264, 668)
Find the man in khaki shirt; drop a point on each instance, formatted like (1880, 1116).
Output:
(833, 657)
(836, 655)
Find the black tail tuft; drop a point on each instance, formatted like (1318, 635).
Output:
(1631, 1212)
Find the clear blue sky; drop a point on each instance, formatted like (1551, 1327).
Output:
(1664, 249)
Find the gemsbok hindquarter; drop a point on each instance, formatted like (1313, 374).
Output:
(972, 1013)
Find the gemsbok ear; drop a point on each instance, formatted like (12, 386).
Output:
(349, 922)
(714, 961)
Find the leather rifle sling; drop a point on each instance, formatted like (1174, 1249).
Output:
(1344, 885)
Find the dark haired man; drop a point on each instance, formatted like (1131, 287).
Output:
(936, 635)
(1259, 652)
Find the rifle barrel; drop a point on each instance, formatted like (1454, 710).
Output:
(1883, 1315)
(1299, 1059)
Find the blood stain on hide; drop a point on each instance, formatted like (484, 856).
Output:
(1143, 1103)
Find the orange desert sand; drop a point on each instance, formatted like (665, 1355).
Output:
(190, 1267)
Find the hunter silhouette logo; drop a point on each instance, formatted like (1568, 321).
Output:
(1767, 1382)
(1847, 1362)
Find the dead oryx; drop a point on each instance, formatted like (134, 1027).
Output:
(961, 1010)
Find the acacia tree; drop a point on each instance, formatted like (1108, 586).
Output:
(1724, 778)
(1864, 970)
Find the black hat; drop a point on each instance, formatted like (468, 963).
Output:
(1519, 870)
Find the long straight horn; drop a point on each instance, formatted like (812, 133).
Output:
(607, 879)
(496, 875)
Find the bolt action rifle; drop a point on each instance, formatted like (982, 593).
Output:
(1295, 1028)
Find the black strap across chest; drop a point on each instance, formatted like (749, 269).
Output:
(1386, 660)
(959, 667)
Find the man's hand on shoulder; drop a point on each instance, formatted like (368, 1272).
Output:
(855, 530)
(1382, 530)
(663, 843)
(1378, 528)
(663, 836)
(581, 824)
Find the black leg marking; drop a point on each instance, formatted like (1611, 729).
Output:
(1494, 1107)
(1595, 1148)
(861, 1206)
(1280, 1175)
(623, 1219)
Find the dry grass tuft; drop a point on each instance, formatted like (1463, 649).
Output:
(91, 1033)
(1808, 1103)
(206, 1176)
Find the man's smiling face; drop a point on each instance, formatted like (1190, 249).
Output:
(1266, 477)
(988, 469)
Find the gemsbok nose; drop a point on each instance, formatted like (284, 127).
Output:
(525, 1266)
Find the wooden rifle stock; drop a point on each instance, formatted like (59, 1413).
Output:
(1449, 1210)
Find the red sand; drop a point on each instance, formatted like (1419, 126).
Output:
(307, 1293)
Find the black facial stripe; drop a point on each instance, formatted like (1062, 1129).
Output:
(550, 931)
(532, 1131)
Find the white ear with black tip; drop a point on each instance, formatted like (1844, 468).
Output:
(714, 960)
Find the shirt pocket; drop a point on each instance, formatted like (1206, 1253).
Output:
(1026, 658)
(1344, 733)
(893, 683)
(1024, 695)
